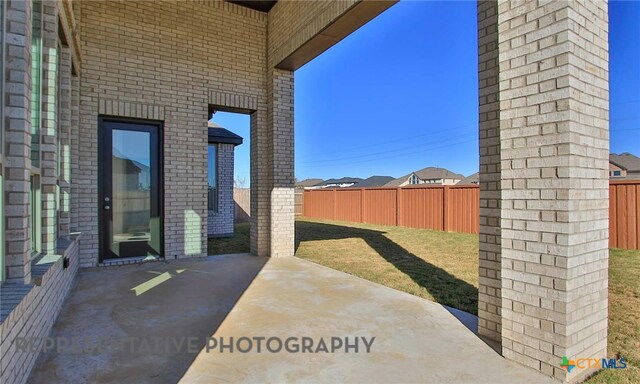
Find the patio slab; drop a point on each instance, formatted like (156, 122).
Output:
(234, 296)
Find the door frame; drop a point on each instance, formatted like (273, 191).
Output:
(103, 152)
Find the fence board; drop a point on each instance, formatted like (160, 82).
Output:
(463, 209)
(348, 206)
(379, 206)
(624, 214)
(422, 207)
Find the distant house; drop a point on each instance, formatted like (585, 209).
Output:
(309, 183)
(344, 182)
(429, 175)
(470, 180)
(220, 204)
(373, 181)
(624, 166)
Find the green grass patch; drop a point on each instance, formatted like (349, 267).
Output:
(238, 243)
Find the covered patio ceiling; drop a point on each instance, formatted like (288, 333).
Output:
(258, 5)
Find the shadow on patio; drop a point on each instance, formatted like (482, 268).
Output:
(147, 322)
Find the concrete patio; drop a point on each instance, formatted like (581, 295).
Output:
(240, 295)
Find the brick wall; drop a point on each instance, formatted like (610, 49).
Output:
(554, 143)
(489, 273)
(37, 311)
(17, 139)
(168, 57)
(220, 223)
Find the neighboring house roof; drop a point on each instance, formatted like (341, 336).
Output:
(308, 183)
(344, 180)
(397, 182)
(626, 161)
(471, 179)
(431, 173)
(373, 181)
(219, 135)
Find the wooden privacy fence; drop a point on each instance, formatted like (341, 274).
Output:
(624, 214)
(444, 208)
(453, 208)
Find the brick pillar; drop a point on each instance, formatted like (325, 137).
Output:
(260, 187)
(49, 129)
(17, 139)
(280, 119)
(272, 176)
(554, 140)
(489, 294)
(64, 150)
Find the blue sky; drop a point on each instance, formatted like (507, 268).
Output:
(401, 94)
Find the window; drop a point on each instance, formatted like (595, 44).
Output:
(36, 82)
(617, 173)
(2, 22)
(213, 178)
(35, 215)
(35, 197)
(414, 180)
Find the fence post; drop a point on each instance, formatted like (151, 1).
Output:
(362, 205)
(398, 207)
(335, 206)
(445, 208)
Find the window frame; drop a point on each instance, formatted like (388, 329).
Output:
(35, 191)
(2, 40)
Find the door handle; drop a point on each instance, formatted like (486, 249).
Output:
(106, 207)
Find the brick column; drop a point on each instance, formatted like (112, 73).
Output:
(49, 130)
(489, 294)
(260, 174)
(280, 96)
(554, 153)
(17, 139)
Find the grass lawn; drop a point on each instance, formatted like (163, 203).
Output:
(239, 243)
(443, 267)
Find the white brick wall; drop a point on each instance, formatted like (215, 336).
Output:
(171, 56)
(220, 223)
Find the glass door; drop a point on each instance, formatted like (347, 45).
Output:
(131, 223)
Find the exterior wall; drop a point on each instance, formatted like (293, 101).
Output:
(554, 122)
(220, 224)
(34, 290)
(39, 306)
(17, 139)
(490, 260)
(166, 62)
(613, 168)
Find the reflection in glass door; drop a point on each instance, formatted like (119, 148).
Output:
(129, 193)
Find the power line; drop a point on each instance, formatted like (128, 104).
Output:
(391, 157)
(383, 152)
(437, 133)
